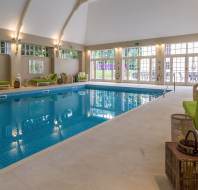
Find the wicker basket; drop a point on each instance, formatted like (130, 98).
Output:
(187, 146)
(180, 125)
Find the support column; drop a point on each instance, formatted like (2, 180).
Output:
(160, 55)
(87, 63)
(118, 64)
(82, 61)
(15, 62)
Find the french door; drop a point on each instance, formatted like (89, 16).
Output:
(139, 69)
(175, 66)
(193, 69)
(104, 69)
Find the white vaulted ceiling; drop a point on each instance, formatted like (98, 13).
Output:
(46, 17)
(127, 20)
(103, 21)
(10, 11)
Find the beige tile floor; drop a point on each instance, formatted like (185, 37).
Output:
(126, 153)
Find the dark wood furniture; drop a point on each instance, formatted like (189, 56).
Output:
(181, 169)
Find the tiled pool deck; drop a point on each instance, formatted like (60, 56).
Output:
(124, 153)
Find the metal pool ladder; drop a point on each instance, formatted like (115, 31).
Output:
(174, 86)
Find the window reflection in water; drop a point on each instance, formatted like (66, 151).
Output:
(108, 104)
(32, 124)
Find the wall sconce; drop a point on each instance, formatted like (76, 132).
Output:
(17, 42)
(119, 50)
(57, 47)
(88, 52)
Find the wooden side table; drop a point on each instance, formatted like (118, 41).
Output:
(181, 169)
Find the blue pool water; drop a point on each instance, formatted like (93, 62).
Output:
(33, 121)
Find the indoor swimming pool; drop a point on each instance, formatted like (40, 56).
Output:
(32, 121)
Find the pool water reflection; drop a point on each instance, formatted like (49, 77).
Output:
(31, 124)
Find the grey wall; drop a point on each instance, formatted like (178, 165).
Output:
(70, 66)
(21, 65)
(4, 67)
(25, 67)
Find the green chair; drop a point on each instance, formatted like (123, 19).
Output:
(82, 77)
(191, 109)
(47, 80)
(4, 84)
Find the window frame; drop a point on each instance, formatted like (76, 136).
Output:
(138, 57)
(103, 57)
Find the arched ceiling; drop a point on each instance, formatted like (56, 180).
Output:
(127, 20)
(10, 12)
(45, 18)
(102, 21)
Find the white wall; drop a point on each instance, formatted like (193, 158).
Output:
(126, 20)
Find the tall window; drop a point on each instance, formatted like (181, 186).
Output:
(181, 61)
(103, 64)
(139, 64)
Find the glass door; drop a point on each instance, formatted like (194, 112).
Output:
(179, 69)
(145, 69)
(193, 69)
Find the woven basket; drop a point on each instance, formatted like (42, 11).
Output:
(187, 146)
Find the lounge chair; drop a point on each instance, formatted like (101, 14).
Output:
(191, 109)
(49, 79)
(82, 77)
(4, 84)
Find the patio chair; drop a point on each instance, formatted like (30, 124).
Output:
(82, 77)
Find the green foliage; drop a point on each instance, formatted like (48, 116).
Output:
(69, 54)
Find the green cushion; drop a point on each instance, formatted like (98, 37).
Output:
(39, 80)
(191, 109)
(4, 83)
(49, 78)
(53, 77)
